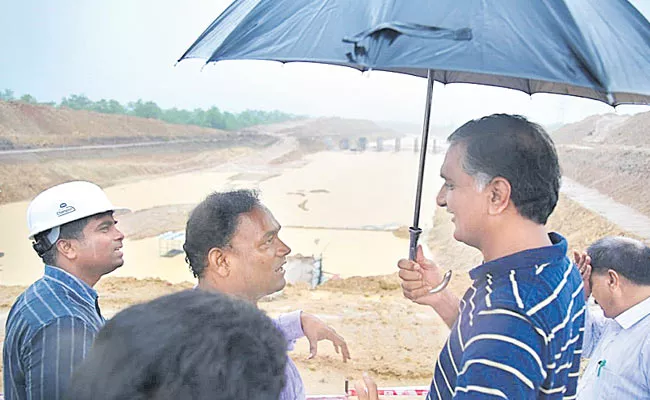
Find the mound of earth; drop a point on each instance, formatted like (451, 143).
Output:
(608, 129)
(593, 129)
(26, 125)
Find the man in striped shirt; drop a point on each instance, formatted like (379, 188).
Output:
(517, 332)
(51, 326)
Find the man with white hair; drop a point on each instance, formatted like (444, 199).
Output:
(53, 323)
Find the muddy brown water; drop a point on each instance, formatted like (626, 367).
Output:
(342, 190)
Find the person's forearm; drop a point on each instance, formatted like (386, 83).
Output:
(446, 305)
(290, 325)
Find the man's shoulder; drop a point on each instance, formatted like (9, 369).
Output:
(543, 294)
(644, 328)
(42, 303)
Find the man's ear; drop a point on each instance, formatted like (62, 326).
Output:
(66, 248)
(218, 261)
(499, 191)
(613, 279)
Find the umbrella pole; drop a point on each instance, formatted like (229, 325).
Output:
(415, 231)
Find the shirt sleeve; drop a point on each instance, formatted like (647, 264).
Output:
(595, 322)
(290, 326)
(645, 362)
(503, 359)
(52, 355)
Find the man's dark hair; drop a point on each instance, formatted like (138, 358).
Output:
(511, 147)
(213, 223)
(187, 345)
(71, 230)
(629, 257)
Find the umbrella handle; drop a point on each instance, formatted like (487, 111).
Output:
(414, 235)
(445, 281)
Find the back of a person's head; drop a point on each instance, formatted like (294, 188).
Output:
(188, 345)
(511, 147)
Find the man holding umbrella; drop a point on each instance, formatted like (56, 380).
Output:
(519, 322)
(517, 332)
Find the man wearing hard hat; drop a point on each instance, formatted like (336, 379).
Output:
(51, 326)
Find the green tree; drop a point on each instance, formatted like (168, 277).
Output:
(28, 98)
(230, 121)
(114, 107)
(7, 95)
(77, 102)
(147, 109)
(211, 118)
(214, 118)
(198, 117)
(176, 116)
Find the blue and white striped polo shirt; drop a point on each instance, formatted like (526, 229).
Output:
(519, 332)
(49, 330)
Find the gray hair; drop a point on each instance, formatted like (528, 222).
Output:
(511, 147)
(629, 257)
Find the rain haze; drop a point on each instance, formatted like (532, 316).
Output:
(127, 50)
(342, 188)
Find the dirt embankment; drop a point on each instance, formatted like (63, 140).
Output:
(340, 127)
(28, 126)
(33, 173)
(610, 153)
(181, 148)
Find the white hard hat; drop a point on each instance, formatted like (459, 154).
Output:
(65, 203)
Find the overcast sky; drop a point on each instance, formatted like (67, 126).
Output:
(126, 49)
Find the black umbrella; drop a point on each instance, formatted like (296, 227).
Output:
(585, 48)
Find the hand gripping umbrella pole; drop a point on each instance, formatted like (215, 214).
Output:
(415, 231)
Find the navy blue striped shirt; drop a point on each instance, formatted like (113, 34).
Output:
(49, 330)
(519, 332)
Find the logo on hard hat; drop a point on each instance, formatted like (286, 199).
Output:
(65, 209)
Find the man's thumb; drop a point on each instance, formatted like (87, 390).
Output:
(313, 349)
(419, 256)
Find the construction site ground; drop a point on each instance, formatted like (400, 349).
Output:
(394, 340)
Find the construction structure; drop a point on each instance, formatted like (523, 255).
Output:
(171, 243)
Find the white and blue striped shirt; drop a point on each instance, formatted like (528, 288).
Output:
(50, 328)
(519, 331)
(619, 352)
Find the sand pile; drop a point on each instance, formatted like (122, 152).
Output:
(610, 153)
(26, 125)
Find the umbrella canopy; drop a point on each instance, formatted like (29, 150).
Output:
(597, 49)
(586, 48)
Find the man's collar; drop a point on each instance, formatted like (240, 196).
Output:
(524, 259)
(634, 314)
(71, 282)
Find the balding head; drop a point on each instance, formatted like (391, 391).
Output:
(628, 257)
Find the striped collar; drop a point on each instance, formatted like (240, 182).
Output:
(634, 314)
(71, 283)
(524, 259)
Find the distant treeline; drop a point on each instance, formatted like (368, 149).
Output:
(211, 118)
